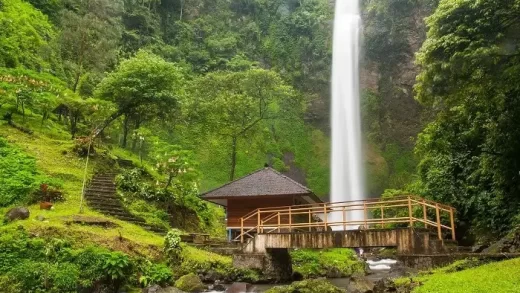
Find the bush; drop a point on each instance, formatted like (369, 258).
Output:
(19, 178)
(172, 244)
(156, 274)
(52, 265)
(327, 262)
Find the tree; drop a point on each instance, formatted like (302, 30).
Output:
(470, 72)
(142, 81)
(90, 37)
(173, 162)
(234, 103)
(24, 34)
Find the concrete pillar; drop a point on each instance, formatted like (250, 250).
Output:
(275, 264)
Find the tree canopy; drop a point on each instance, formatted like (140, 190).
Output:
(470, 152)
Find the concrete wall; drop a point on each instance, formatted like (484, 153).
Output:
(406, 240)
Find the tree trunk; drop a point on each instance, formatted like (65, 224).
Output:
(136, 126)
(125, 131)
(170, 178)
(233, 158)
(107, 122)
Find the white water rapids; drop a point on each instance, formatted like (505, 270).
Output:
(347, 182)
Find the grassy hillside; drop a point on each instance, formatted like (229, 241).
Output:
(463, 277)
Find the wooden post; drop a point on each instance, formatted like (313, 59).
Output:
(290, 219)
(382, 217)
(324, 218)
(310, 220)
(425, 214)
(410, 213)
(365, 215)
(438, 221)
(344, 216)
(452, 225)
(259, 229)
(241, 230)
(279, 222)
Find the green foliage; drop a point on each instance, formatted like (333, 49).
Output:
(172, 244)
(307, 286)
(19, 178)
(117, 266)
(25, 34)
(327, 262)
(470, 151)
(156, 274)
(89, 38)
(54, 265)
(190, 283)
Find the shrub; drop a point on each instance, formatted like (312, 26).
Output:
(19, 177)
(320, 263)
(156, 274)
(172, 244)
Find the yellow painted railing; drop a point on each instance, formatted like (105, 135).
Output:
(410, 211)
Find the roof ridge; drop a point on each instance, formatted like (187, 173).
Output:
(233, 181)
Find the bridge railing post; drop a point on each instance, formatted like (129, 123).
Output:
(344, 216)
(325, 216)
(452, 220)
(382, 217)
(437, 213)
(279, 229)
(365, 215)
(241, 230)
(290, 220)
(310, 220)
(410, 213)
(425, 214)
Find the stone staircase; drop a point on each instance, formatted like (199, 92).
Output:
(101, 195)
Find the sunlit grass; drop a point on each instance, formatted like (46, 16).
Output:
(498, 277)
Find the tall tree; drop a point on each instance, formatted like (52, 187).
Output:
(24, 36)
(90, 37)
(145, 80)
(235, 103)
(470, 153)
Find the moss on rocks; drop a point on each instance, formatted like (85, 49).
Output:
(307, 286)
(190, 283)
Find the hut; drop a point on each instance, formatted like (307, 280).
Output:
(261, 189)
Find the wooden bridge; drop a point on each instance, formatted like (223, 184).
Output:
(367, 223)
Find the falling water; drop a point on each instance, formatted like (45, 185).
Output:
(346, 162)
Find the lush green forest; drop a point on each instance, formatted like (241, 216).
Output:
(190, 94)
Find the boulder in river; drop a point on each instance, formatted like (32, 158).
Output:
(360, 285)
(18, 213)
(190, 283)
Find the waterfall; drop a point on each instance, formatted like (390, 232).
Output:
(347, 172)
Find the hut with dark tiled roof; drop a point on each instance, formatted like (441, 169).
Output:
(263, 188)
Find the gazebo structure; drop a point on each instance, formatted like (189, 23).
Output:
(261, 189)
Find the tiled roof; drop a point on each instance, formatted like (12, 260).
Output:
(266, 181)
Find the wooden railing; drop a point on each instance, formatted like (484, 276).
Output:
(404, 211)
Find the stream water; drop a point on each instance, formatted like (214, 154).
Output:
(378, 269)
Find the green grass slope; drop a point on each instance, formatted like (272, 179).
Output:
(499, 277)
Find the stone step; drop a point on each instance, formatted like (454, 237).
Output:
(101, 190)
(119, 209)
(102, 183)
(103, 199)
(103, 195)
